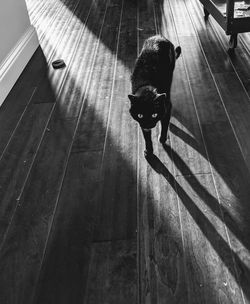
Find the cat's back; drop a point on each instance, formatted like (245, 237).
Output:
(155, 63)
(157, 45)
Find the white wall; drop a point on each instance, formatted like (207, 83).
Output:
(14, 21)
(18, 41)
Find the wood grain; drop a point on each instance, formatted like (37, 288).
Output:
(64, 272)
(83, 184)
(235, 99)
(22, 250)
(184, 129)
(161, 264)
(32, 220)
(92, 127)
(210, 269)
(117, 212)
(20, 96)
(95, 222)
(232, 184)
(162, 268)
(17, 159)
(237, 105)
(218, 59)
(113, 276)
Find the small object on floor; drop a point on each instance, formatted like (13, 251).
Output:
(58, 64)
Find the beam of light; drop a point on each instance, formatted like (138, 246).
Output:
(76, 80)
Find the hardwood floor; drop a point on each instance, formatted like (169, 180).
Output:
(84, 218)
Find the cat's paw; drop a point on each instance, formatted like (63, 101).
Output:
(148, 153)
(162, 139)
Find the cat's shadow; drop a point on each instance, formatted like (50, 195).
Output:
(210, 232)
(158, 166)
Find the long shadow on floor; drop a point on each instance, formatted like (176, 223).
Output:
(221, 168)
(218, 243)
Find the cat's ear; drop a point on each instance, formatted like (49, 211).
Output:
(160, 98)
(177, 52)
(132, 98)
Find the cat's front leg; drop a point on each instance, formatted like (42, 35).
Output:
(165, 124)
(148, 143)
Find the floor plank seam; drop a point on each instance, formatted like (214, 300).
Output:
(30, 168)
(215, 82)
(79, 151)
(184, 262)
(31, 165)
(112, 86)
(33, 160)
(178, 199)
(24, 183)
(73, 137)
(35, 22)
(213, 25)
(113, 240)
(18, 123)
(215, 185)
(70, 60)
(104, 224)
(193, 175)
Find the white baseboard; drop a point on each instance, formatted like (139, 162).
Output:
(13, 65)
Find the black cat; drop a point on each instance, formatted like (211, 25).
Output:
(151, 83)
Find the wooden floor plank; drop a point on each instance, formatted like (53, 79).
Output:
(113, 276)
(17, 160)
(41, 10)
(92, 126)
(210, 268)
(184, 129)
(36, 211)
(19, 97)
(237, 104)
(63, 82)
(64, 272)
(77, 78)
(218, 59)
(232, 182)
(199, 75)
(117, 211)
(72, 236)
(241, 55)
(218, 126)
(162, 268)
(27, 234)
(83, 181)
(11, 112)
(227, 81)
(162, 275)
(52, 30)
(51, 24)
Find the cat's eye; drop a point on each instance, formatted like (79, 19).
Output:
(154, 115)
(140, 115)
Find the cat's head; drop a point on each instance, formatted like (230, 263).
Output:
(148, 108)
